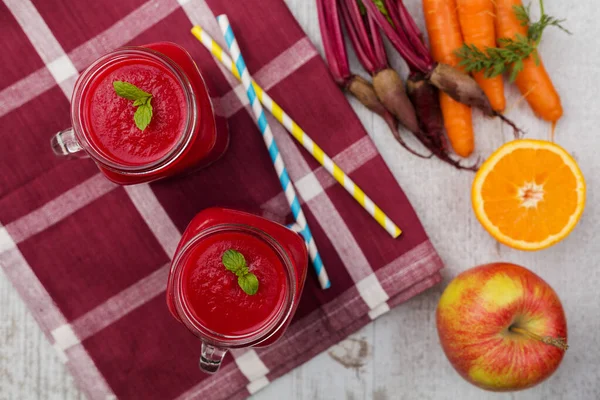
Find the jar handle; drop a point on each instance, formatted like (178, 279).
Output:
(211, 358)
(65, 144)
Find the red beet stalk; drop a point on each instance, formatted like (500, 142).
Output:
(333, 41)
(359, 37)
(408, 24)
(377, 39)
(399, 40)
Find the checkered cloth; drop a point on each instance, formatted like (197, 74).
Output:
(91, 258)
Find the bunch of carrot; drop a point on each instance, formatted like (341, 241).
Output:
(481, 23)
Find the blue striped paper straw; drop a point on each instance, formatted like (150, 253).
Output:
(265, 129)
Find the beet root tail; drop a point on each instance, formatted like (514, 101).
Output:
(456, 164)
(518, 132)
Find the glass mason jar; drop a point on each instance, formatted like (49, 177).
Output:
(204, 296)
(184, 132)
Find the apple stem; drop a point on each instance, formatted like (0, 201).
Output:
(561, 343)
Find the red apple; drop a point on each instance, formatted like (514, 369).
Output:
(502, 327)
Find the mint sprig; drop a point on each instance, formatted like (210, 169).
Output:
(141, 100)
(235, 262)
(248, 283)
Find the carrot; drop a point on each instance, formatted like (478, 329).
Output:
(476, 19)
(533, 81)
(458, 124)
(445, 38)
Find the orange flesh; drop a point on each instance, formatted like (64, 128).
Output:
(552, 202)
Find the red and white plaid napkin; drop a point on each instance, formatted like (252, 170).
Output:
(90, 258)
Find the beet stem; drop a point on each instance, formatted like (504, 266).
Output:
(406, 27)
(358, 35)
(400, 43)
(413, 32)
(398, 26)
(333, 41)
(381, 59)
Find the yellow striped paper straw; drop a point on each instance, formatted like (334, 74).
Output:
(338, 174)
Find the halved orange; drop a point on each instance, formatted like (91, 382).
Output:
(529, 194)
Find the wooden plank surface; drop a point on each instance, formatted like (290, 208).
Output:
(404, 360)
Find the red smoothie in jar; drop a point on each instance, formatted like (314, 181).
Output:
(213, 294)
(183, 133)
(110, 118)
(205, 295)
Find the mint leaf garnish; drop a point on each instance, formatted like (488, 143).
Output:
(248, 283)
(129, 91)
(235, 262)
(143, 115)
(141, 100)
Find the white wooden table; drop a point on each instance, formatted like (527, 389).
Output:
(404, 359)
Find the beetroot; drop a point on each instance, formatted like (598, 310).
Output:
(368, 45)
(425, 97)
(364, 92)
(390, 90)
